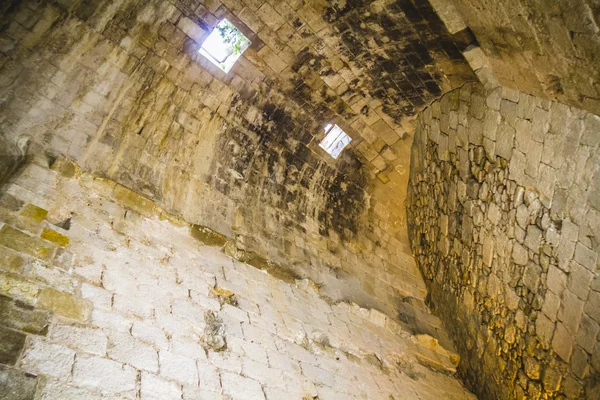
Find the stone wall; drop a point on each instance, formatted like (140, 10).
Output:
(504, 218)
(119, 86)
(103, 295)
(545, 48)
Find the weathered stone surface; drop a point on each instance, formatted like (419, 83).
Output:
(534, 287)
(64, 304)
(101, 374)
(16, 385)
(22, 242)
(11, 344)
(23, 317)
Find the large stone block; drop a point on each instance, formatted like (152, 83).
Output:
(23, 317)
(16, 287)
(64, 304)
(16, 385)
(100, 374)
(43, 357)
(22, 242)
(11, 344)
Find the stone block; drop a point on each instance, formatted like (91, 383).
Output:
(97, 374)
(556, 280)
(124, 348)
(130, 199)
(238, 386)
(544, 329)
(43, 357)
(60, 390)
(178, 368)
(10, 261)
(571, 311)
(16, 385)
(64, 304)
(531, 276)
(580, 280)
(89, 340)
(533, 240)
(592, 307)
(34, 212)
(588, 333)
(11, 344)
(23, 317)
(155, 388)
(519, 254)
(551, 305)
(586, 257)
(22, 242)
(55, 237)
(209, 377)
(562, 343)
(149, 333)
(16, 287)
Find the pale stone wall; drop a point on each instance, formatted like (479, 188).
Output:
(119, 86)
(504, 211)
(103, 295)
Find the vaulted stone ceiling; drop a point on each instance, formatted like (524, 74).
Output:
(119, 87)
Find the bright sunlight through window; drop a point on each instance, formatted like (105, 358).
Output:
(224, 45)
(335, 140)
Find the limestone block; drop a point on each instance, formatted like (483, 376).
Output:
(587, 334)
(592, 307)
(21, 242)
(16, 385)
(97, 374)
(531, 276)
(124, 348)
(89, 340)
(55, 237)
(19, 316)
(240, 387)
(551, 305)
(544, 328)
(16, 287)
(64, 304)
(11, 344)
(519, 254)
(45, 358)
(110, 321)
(580, 280)
(570, 311)
(178, 368)
(134, 201)
(60, 390)
(562, 343)
(149, 333)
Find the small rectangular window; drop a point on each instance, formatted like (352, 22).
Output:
(225, 45)
(335, 140)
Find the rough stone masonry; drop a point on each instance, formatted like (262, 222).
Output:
(169, 230)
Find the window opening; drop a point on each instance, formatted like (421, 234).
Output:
(225, 45)
(335, 140)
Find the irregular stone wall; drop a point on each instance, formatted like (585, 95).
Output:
(119, 86)
(504, 218)
(103, 295)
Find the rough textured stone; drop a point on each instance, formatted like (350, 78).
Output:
(11, 344)
(64, 304)
(16, 385)
(534, 287)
